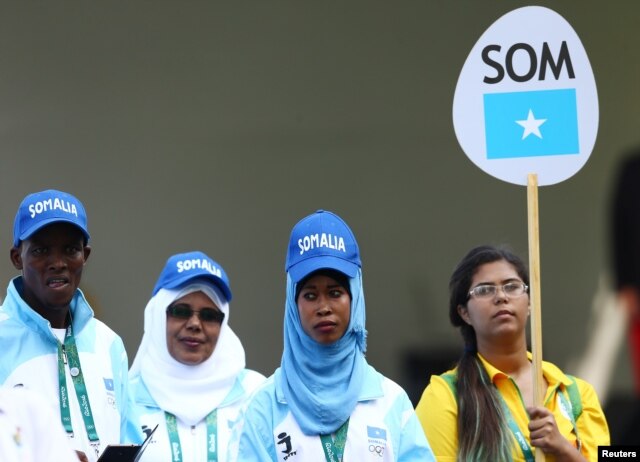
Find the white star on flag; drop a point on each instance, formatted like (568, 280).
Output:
(531, 125)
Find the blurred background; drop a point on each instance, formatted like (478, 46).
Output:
(218, 125)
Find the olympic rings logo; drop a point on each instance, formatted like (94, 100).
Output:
(377, 449)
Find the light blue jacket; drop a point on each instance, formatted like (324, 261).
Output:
(30, 358)
(193, 440)
(383, 428)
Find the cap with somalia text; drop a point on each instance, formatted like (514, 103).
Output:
(44, 208)
(322, 240)
(184, 268)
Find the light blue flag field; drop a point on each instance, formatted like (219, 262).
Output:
(376, 433)
(531, 123)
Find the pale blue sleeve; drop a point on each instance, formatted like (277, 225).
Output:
(253, 438)
(413, 444)
(130, 431)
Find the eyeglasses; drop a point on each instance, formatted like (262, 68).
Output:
(510, 289)
(205, 314)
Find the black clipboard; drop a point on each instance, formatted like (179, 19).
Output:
(125, 452)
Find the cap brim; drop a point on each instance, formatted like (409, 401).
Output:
(49, 221)
(179, 282)
(305, 267)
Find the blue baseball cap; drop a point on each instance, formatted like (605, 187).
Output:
(40, 209)
(322, 240)
(185, 267)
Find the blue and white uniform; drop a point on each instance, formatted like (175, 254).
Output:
(30, 358)
(193, 438)
(382, 427)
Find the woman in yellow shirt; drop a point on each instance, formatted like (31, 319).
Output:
(483, 409)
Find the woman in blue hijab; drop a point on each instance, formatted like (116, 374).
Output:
(325, 402)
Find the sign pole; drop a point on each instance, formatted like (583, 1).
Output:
(534, 294)
(527, 127)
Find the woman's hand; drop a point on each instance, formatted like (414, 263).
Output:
(82, 457)
(545, 435)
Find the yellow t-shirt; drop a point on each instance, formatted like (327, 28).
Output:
(438, 413)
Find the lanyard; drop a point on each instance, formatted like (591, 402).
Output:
(174, 438)
(517, 433)
(566, 405)
(334, 448)
(68, 354)
(522, 442)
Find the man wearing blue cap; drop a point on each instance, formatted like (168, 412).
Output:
(325, 402)
(49, 339)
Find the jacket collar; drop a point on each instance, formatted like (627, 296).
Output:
(142, 395)
(16, 307)
(371, 387)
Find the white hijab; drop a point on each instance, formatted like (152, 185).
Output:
(188, 392)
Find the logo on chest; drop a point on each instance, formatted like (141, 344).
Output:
(377, 439)
(285, 440)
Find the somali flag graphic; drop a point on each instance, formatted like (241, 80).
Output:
(376, 433)
(531, 123)
(108, 384)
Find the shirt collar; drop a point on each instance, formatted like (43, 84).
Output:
(551, 372)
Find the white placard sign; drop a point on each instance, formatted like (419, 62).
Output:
(526, 99)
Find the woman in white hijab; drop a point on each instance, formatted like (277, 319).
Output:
(189, 374)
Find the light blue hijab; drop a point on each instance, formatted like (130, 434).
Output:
(322, 383)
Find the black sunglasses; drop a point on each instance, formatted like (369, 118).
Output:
(185, 312)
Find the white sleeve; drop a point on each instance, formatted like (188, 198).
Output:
(29, 429)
